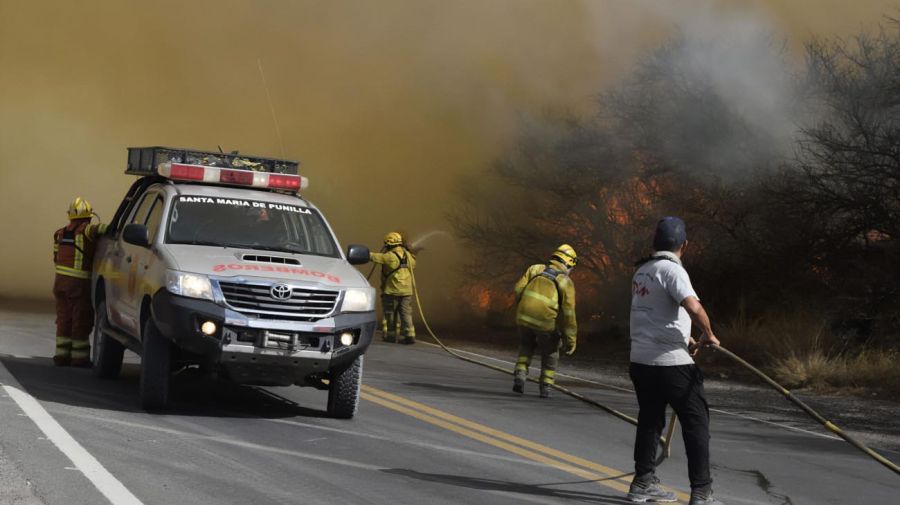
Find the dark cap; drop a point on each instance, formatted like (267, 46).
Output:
(670, 234)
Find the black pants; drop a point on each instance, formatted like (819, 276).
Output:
(681, 387)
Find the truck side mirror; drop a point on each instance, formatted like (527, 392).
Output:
(357, 254)
(136, 234)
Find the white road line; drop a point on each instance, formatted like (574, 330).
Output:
(626, 390)
(234, 442)
(772, 423)
(104, 481)
(412, 443)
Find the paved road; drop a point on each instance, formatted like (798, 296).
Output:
(430, 430)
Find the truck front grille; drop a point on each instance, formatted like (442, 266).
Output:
(303, 303)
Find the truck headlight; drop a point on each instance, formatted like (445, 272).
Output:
(358, 300)
(189, 285)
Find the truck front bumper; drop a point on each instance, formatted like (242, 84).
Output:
(249, 350)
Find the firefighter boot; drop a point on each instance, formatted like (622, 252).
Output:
(519, 381)
(63, 356)
(547, 379)
(81, 353)
(385, 334)
(545, 390)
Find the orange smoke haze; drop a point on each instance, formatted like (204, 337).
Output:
(385, 103)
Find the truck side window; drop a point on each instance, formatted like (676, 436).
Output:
(140, 215)
(155, 217)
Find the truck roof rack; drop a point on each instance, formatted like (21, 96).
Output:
(146, 160)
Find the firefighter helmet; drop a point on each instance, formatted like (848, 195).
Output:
(565, 254)
(393, 238)
(80, 209)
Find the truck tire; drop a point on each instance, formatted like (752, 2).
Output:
(106, 352)
(156, 368)
(343, 390)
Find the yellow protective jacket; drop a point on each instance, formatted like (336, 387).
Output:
(73, 248)
(545, 306)
(396, 264)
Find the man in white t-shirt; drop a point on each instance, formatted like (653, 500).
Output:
(663, 305)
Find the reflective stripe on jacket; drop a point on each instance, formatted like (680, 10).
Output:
(547, 306)
(74, 246)
(395, 271)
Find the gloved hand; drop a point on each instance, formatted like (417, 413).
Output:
(569, 348)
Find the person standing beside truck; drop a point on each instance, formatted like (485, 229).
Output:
(546, 309)
(73, 256)
(396, 263)
(663, 304)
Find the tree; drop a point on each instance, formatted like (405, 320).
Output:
(790, 184)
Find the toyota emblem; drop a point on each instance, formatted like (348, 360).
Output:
(281, 292)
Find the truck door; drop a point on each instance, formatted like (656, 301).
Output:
(125, 269)
(141, 259)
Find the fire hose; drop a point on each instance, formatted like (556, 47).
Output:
(812, 413)
(667, 440)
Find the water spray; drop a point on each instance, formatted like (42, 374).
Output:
(417, 244)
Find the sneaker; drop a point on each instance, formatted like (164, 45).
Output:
(545, 391)
(389, 339)
(408, 341)
(519, 382)
(641, 492)
(703, 497)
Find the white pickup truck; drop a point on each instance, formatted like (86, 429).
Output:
(215, 260)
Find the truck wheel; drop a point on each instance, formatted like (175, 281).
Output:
(156, 368)
(107, 352)
(343, 390)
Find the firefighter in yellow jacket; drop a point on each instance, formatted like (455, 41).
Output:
(73, 254)
(396, 263)
(545, 316)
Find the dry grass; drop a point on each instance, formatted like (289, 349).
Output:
(868, 370)
(766, 339)
(799, 351)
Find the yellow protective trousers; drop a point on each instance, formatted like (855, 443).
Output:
(74, 319)
(547, 344)
(398, 317)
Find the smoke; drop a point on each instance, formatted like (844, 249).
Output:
(718, 98)
(386, 104)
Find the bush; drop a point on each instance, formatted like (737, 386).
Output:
(869, 369)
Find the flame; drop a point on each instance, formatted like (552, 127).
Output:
(482, 298)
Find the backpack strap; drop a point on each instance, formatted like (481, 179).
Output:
(404, 263)
(67, 238)
(549, 273)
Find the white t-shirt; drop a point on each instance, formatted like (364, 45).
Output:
(660, 326)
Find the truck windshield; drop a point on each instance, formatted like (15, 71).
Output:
(250, 224)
